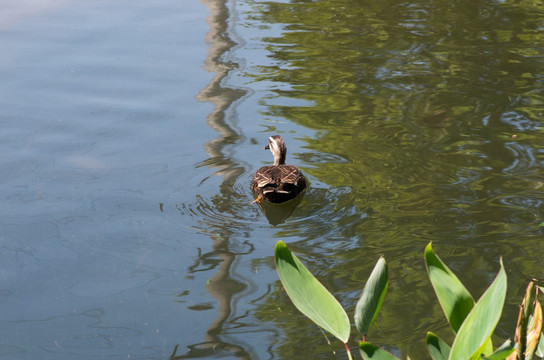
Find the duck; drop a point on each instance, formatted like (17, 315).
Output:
(279, 182)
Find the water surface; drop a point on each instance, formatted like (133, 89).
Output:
(131, 132)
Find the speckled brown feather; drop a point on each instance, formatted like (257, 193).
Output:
(278, 183)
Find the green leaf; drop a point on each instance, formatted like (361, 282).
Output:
(454, 298)
(528, 299)
(371, 297)
(507, 348)
(438, 349)
(309, 296)
(373, 352)
(534, 330)
(540, 347)
(475, 332)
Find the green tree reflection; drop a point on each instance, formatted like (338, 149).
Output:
(430, 113)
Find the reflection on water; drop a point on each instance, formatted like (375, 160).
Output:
(215, 214)
(127, 226)
(428, 119)
(278, 213)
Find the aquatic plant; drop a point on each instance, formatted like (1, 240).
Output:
(472, 322)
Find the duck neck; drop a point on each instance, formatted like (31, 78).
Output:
(279, 159)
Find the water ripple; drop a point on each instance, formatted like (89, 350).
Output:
(217, 214)
(524, 158)
(520, 121)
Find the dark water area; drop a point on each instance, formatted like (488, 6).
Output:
(131, 131)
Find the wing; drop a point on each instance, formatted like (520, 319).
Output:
(292, 175)
(264, 176)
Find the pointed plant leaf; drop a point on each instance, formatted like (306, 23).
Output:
(529, 326)
(309, 296)
(528, 299)
(454, 298)
(506, 349)
(438, 349)
(534, 329)
(540, 347)
(371, 297)
(521, 328)
(488, 348)
(475, 332)
(372, 352)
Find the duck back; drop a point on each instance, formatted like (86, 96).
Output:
(278, 183)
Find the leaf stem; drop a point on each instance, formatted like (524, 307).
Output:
(348, 352)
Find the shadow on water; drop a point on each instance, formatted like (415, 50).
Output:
(278, 213)
(217, 210)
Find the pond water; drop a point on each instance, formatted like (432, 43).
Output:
(131, 130)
